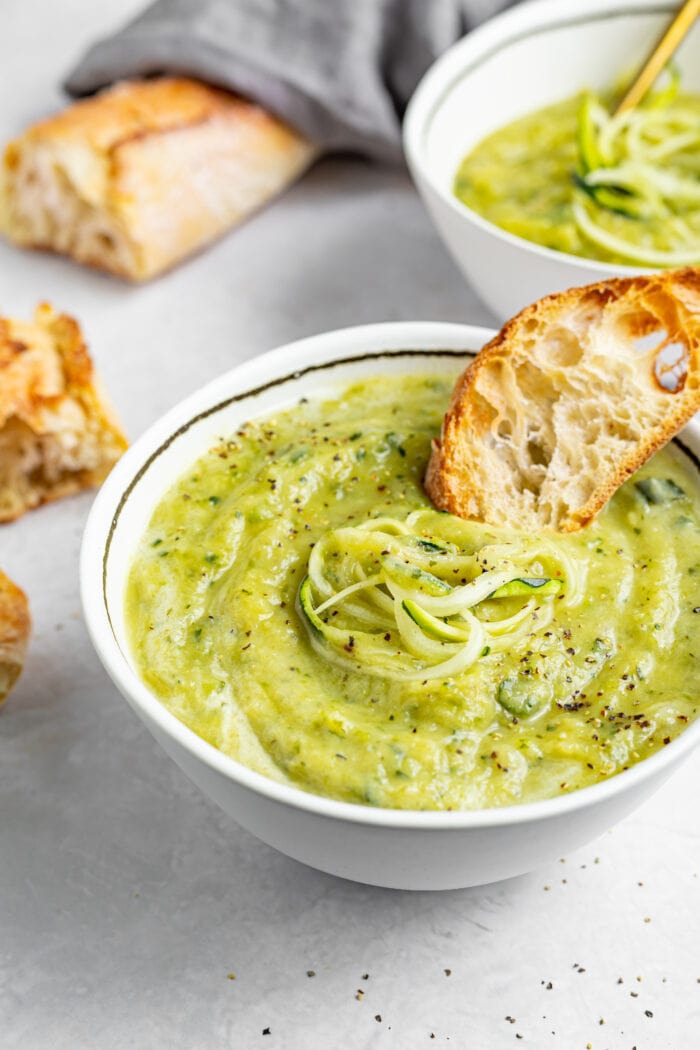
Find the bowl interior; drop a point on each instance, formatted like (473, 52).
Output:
(529, 58)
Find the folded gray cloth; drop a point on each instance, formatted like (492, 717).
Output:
(340, 71)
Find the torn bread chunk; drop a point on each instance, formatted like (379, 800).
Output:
(15, 626)
(573, 395)
(145, 173)
(57, 433)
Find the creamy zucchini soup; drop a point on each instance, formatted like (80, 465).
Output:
(622, 189)
(298, 602)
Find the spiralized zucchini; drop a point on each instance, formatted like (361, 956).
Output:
(397, 600)
(643, 164)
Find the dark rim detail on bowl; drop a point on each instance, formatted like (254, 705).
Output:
(525, 34)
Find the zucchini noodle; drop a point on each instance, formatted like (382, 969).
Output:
(398, 600)
(643, 164)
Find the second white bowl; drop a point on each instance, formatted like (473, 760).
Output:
(532, 56)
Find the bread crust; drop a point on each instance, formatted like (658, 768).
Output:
(58, 434)
(15, 628)
(141, 175)
(635, 307)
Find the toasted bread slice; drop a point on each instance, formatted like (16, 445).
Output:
(57, 433)
(145, 173)
(15, 625)
(571, 397)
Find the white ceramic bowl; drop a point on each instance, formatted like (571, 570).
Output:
(533, 55)
(407, 850)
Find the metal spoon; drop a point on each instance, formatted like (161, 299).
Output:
(660, 55)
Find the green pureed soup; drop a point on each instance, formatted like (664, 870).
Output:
(298, 602)
(569, 177)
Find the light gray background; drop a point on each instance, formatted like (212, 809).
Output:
(126, 898)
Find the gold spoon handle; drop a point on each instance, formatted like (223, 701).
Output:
(658, 58)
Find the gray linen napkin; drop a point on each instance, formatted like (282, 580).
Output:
(340, 71)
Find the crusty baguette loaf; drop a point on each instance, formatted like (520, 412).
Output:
(57, 433)
(570, 397)
(145, 173)
(15, 625)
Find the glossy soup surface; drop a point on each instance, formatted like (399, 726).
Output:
(521, 178)
(217, 633)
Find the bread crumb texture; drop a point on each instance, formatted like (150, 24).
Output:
(57, 432)
(572, 396)
(141, 175)
(15, 625)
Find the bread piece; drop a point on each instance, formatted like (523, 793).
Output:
(15, 626)
(57, 434)
(570, 398)
(138, 177)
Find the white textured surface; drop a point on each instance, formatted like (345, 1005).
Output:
(125, 897)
